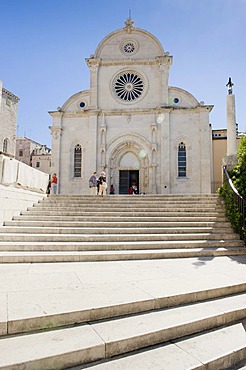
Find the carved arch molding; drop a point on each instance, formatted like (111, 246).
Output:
(114, 163)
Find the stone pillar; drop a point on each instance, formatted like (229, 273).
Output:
(231, 156)
(231, 125)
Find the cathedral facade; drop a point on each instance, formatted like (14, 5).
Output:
(132, 124)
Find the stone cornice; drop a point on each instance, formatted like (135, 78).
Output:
(84, 113)
(187, 109)
(157, 110)
(136, 62)
(8, 93)
(116, 112)
(56, 113)
(128, 112)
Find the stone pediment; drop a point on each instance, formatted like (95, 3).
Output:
(129, 42)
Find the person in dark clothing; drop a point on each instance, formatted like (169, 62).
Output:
(102, 184)
(111, 190)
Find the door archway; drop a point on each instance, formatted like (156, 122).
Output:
(131, 157)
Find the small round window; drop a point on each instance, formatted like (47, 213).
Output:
(129, 47)
(82, 104)
(176, 100)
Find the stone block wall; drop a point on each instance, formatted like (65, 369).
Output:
(8, 120)
(14, 200)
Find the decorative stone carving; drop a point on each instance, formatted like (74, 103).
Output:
(92, 63)
(164, 63)
(56, 132)
(129, 25)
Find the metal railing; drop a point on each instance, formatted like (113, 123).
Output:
(239, 204)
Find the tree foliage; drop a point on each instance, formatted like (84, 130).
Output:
(238, 177)
(238, 174)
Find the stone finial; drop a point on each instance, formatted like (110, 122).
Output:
(229, 85)
(129, 25)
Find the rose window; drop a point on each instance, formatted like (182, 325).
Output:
(129, 48)
(128, 86)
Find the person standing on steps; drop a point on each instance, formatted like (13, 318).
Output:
(93, 183)
(102, 184)
(54, 181)
(111, 190)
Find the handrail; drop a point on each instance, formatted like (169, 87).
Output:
(239, 203)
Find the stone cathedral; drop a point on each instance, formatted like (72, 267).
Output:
(132, 124)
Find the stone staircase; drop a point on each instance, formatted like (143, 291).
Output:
(83, 228)
(188, 321)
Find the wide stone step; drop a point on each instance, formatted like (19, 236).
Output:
(123, 197)
(111, 213)
(122, 255)
(33, 309)
(116, 237)
(104, 339)
(113, 230)
(113, 245)
(221, 348)
(129, 218)
(126, 199)
(120, 204)
(128, 208)
(116, 224)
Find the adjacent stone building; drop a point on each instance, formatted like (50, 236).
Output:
(8, 121)
(34, 154)
(219, 153)
(132, 124)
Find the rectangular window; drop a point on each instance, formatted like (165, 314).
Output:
(5, 145)
(20, 153)
(77, 160)
(181, 160)
(37, 164)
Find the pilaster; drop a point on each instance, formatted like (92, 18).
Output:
(92, 158)
(103, 133)
(165, 63)
(56, 132)
(163, 119)
(93, 64)
(154, 128)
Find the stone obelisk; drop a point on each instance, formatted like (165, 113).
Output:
(231, 155)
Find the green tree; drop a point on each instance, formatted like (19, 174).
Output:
(238, 177)
(238, 174)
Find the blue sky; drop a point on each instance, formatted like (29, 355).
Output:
(44, 45)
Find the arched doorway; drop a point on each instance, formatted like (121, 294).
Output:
(129, 166)
(129, 173)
